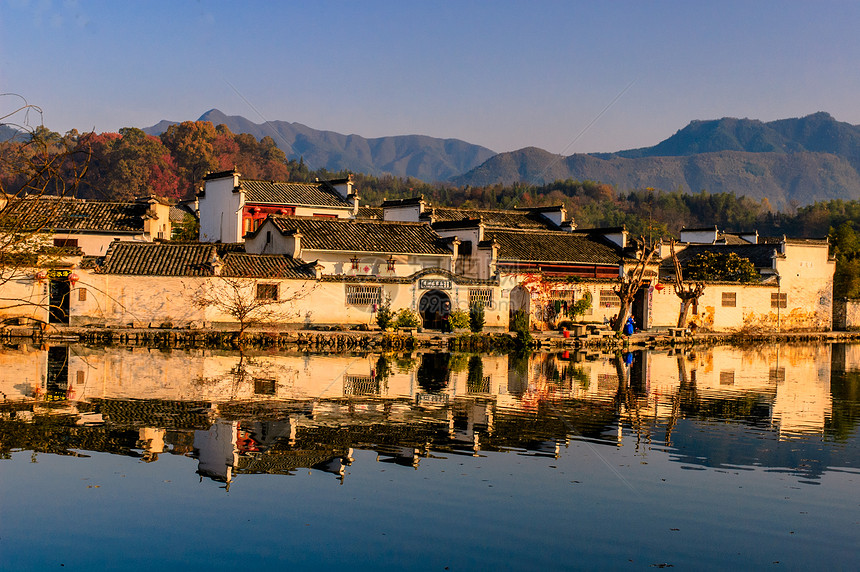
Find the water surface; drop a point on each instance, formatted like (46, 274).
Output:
(117, 458)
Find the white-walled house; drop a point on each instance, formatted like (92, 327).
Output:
(371, 261)
(230, 206)
(87, 224)
(794, 291)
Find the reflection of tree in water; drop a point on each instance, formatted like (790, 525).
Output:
(518, 373)
(475, 377)
(845, 408)
(434, 372)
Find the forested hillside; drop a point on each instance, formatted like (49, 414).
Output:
(789, 162)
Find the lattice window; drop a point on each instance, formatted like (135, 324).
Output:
(360, 385)
(607, 381)
(777, 375)
(730, 299)
(82, 294)
(481, 296)
(267, 291)
(478, 385)
(357, 295)
(727, 377)
(264, 386)
(609, 299)
(778, 300)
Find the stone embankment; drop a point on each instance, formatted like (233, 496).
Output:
(339, 341)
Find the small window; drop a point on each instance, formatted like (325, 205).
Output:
(264, 386)
(357, 295)
(481, 296)
(360, 385)
(82, 294)
(80, 377)
(609, 299)
(777, 375)
(730, 299)
(355, 261)
(267, 291)
(778, 300)
(65, 242)
(727, 377)
(268, 237)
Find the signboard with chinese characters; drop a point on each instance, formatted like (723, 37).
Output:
(57, 273)
(434, 284)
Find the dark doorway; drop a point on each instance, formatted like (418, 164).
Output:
(59, 300)
(639, 309)
(434, 308)
(58, 373)
(520, 304)
(433, 374)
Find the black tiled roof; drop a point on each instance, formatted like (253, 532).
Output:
(158, 259)
(362, 235)
(552, 246)
(265, 266)
(66, 214)
(319, 194)
(165, 259)
(369, 212)
(491, 217)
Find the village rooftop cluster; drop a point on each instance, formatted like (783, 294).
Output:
(289, 254)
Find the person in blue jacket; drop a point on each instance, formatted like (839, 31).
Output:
(630, 326)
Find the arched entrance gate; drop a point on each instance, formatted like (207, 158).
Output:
(434, 307)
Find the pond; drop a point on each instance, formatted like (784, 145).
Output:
(118, 458)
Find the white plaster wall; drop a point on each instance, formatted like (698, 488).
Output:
(144, 301)
(23, 372)
(752, 307)
(221, 211)
(409, 213)
(852, 314)
(21, 295)
(806, 277)
(98, 244)
(345, 212)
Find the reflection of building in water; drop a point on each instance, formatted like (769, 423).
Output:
(784, 387)
(279, 412)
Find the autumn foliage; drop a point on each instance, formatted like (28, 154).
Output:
(131, 163)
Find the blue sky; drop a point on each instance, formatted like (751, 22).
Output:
(564, 76)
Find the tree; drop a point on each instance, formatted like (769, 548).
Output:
(723, 266)
(629, 283)
(688, 292)
(44, 165)
(191, 144)
(845, 246)
(249, 301)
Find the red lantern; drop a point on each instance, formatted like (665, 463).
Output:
(658, 287)
(41, 275)
(73, 278)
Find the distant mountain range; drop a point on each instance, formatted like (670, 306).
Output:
(787, 161)
(426, 158)
(805, 160)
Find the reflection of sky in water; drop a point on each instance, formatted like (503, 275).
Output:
(546, 463)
